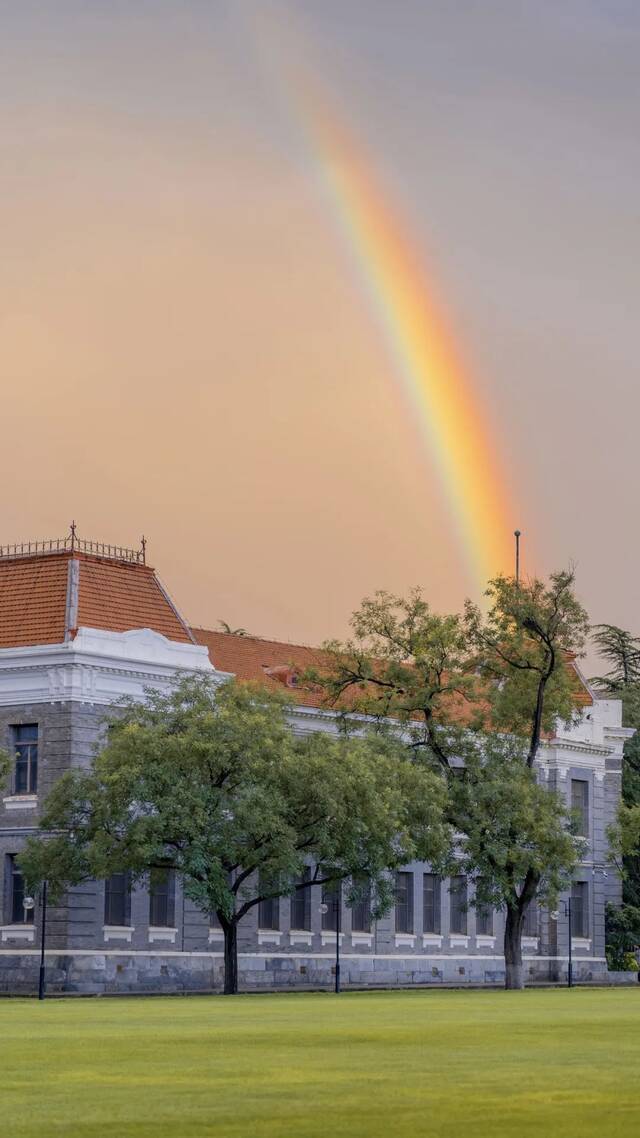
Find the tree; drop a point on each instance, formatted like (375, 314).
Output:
(621, 650)
(212, 782)
(447, 680)
(226, 627)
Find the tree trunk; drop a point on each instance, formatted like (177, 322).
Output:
(230, 959)
(514, 972)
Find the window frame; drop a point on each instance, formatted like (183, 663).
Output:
(124, 896)
(459, 907)
(361, 909)
(581, 808)
(301, 903)
(580, 911)
(404, 907)
(25, 752)
(432, 903)
(16, 913)
(158, 897)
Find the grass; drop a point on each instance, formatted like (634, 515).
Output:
(555, 1064)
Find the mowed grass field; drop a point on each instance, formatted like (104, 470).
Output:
(453, 1063)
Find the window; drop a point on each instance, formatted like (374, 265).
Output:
(16, 911)
(580, 909)
(458, 895)
(404, 902)
(117, 900)
(484, 920)
(269, 909)
(431, 889)
(332, 898)
(530, 926)
(580, 804)
(25, 745)
(161, 897)
(301, 903)
(361, 911)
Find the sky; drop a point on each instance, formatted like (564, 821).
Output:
(191, 350)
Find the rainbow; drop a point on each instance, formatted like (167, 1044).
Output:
(439, 392)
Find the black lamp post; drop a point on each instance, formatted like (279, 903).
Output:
(29, 905)
(566, 908)
(324, 909)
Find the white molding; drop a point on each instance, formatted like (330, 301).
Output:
(98, 667)
(300, 936)
(215, 934)
(269, 936)
(530, 942)
(118, 932)
(17, 932)
(20, 802)
(432, 940)
(458, 940)
(485, 940)
(304, 958)
(328, 937)
(161, 933)
(581, 942)
(405, 940)
(365, 939)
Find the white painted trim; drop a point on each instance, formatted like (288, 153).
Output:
(484, 940)
(458, 940)
(161, 933)
(269, 936)
(57, 952)
(118, 932)
(530, 942)
(300, 936)
(405, 940)
(328, 937)
(17, 932)
(362, 938)
(20, 802)
(580, 942)
(215, 934)
(432, 940)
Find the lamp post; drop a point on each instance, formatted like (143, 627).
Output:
(566, 908)
(29, 905)
(324, 909)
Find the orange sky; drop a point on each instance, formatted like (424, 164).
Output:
(187, 350)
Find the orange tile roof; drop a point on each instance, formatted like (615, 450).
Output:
(120, 596)
(113, 595)
(276, 663)
(33, 599)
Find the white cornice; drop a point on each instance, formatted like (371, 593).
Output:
(98, 667)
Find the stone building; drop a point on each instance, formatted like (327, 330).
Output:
(82, 624)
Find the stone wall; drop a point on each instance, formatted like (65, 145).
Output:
(111, 973)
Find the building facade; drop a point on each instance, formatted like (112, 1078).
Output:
(82, 625)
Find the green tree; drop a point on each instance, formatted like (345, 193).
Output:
(212, 782)
(444, 680)
(621, 650)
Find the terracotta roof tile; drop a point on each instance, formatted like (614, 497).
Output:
(113, 595)
(33, 599)
(119, 596)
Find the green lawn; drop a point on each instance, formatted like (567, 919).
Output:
(545, 1063)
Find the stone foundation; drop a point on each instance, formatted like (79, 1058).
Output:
(110, 973)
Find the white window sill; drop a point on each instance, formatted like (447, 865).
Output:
(458, 940)
(328, 937)
(17, 932)
(484, 940)
(215, 935)
(431, 940)
(365, 939)
(581, 942)
(20, 801)
(530, 942)
(162, 934)
(301, 936)
(269, 936)
(118, 932)
(405, 940)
